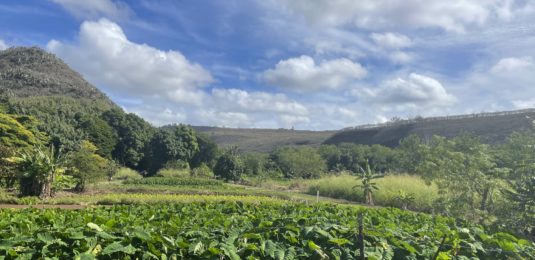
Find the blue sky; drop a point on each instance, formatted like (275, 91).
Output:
(307, 64)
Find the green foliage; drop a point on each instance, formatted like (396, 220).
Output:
(8, 176)
(174, 173)
(174, 181)
(133, 132)
(367, 177)
(125, 173)
(100, 134)
(343, 187)
(405, 199)
(229, 166)
(236, 230)
(465, 172)
(207, 154)
(304, 162)
(86, 166)
(13, 133)
(59, 115)
(203, 171)
(255, 163)
(351, 157)
(171, 144)
(38, 170)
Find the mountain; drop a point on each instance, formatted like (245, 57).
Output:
(30, 72)
(36, 83)
(491, 128)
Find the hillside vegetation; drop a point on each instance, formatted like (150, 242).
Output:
(262, 140)
(491, 128)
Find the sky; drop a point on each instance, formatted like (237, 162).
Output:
(303, 64)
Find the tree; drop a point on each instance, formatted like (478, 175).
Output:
(14, 133)
(100, 134)
(302, 162)
(229, 166)
(133, 133)
(86, 165)
(170, 144)
(38, 169)
(412, 153)
(465, 173)
(207, 154)
(368, 186)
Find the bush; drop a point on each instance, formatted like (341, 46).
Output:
(203, 171)
(173, 173)
(126, 174)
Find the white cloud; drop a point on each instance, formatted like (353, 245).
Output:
(3, 45)
(452, 16)
(513, 64)
(302, 74)
(236, 99)
(525, 103)
(107, 58)
(94, 9)
(417, 90)
(391, 40)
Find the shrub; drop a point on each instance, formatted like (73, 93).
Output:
(126, 174)
(173, 173)
(203, 171)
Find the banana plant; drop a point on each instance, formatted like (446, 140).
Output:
(38, 169)
(367, 184)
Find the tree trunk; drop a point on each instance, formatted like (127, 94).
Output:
(369, 198)
(484, 198)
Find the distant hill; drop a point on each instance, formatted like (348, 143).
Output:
(263, 140)
(492, 128)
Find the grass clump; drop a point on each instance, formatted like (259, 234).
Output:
(127, 174)
(391, 189)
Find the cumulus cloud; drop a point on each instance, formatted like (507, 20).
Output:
(513, 64)
(452, 16)
(107, 58)
(240, 100)
(391, 40)
(3, 45)
(303, 74)
(169, 86)
(415, 90)
(94, 9)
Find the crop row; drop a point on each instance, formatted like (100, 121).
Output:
(175, 181)
(237, 230)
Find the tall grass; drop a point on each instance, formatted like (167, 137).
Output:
(127, 174)
(347, 187)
